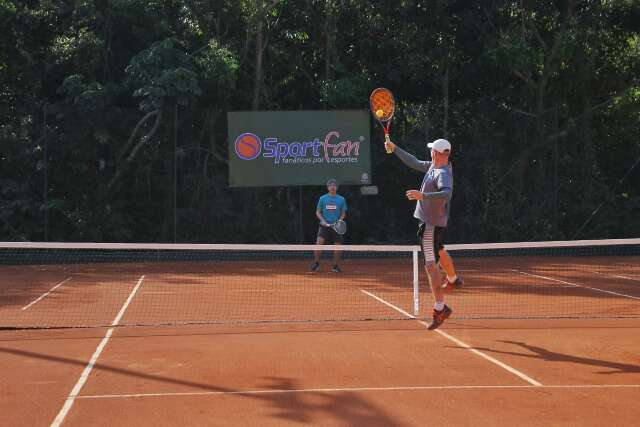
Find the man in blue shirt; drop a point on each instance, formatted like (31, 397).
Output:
(331, 208)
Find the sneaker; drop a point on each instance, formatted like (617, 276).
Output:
(315, 267)
(336, 269)
(439, 317)
(450, 286)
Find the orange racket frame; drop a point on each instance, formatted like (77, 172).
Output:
(382, 99)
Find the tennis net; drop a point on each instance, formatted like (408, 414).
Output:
(90, 285)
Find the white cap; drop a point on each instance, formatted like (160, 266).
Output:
(440, 145)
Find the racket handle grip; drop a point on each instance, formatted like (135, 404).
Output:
(387, 139)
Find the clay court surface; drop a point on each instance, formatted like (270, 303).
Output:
(339, 373)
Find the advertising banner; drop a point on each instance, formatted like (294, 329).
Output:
(291, 148)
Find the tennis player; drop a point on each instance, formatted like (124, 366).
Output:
(331, 208)
(432, 210)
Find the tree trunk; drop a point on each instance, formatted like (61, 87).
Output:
(123, 159)
(445, 97)
(555, 174)
(540, 113)
(328, 42)
(107, 37)
(523, 30)
(257, 83)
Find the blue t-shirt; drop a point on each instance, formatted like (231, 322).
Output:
(331, 207)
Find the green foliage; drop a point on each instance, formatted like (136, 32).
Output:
(85, 97)
(540, 99)
(218, 70)
(163, 71)
(346, 92)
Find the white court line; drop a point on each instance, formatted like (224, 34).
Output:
(577, 285)
(127, 302)
(462, 344)
(46, 293)
(398, 309)
(627, 277)
(357, 389)
(489, 358)
(617, 275)
(87, 370)
(252, 291)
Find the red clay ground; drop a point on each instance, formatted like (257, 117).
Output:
(226, 291)
(390, 373)
(376, 373)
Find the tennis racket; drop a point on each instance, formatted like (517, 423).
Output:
(339, 226)
(383, 105)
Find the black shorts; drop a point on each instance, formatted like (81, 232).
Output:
(329, 235)
(436, 240)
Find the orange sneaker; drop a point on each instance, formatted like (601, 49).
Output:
(450, 286)
(439, 317)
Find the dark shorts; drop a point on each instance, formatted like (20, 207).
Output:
(432, 242)
(329, 235)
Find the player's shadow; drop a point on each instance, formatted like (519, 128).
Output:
(344, 406)
(552, 356)
(288, 400)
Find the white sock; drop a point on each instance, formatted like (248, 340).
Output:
(452, 279)
(439, 306)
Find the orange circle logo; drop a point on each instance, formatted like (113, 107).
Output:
(248, 146)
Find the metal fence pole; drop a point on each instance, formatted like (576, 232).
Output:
(45, 189)
(175, 174)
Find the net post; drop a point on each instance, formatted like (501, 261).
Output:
(416, 293)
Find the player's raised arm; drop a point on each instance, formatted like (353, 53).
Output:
(407, 158)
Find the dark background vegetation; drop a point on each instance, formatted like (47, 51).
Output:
(113, 114)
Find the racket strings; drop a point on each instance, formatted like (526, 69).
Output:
(382, 100)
